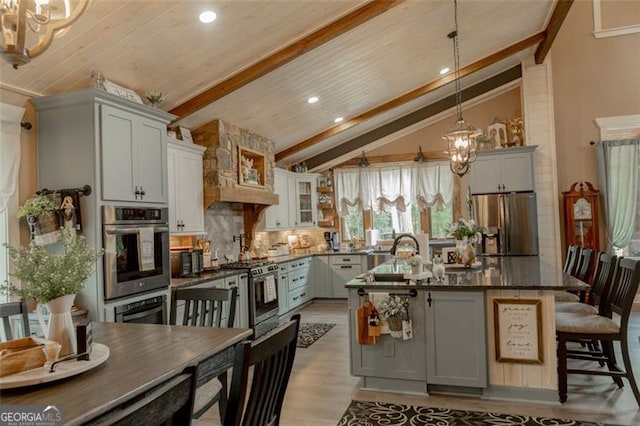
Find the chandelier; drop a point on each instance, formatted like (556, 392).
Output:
(28, 26)
(363, 161)
(462, 139)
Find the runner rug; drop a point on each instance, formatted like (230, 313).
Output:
(362, 413)
(310, 332)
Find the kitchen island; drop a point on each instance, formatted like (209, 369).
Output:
(464, 339)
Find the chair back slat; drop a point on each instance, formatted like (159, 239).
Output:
(585, 265)
(624, 288)
(272, 359)
(602, 278)
(573, 252)
(8, 310)
(204, 307)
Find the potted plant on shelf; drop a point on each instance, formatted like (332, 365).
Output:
(54, 280)
(41, 212)
(467, 233)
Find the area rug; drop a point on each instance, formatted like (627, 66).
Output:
(362, 413)
(310, 332)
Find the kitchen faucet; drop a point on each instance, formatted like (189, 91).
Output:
(397, 239)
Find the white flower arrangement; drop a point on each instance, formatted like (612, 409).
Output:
(415, 260)
(390, 306)
(464, 228)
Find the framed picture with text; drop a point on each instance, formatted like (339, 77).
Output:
(518, 330)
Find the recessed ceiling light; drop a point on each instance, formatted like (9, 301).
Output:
(444, 70)
(338, 120)
(208, 17)
(313, 99)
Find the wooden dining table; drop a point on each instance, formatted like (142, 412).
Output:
(141, 357)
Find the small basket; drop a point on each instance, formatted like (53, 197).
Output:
(395, 323)
(21, 355)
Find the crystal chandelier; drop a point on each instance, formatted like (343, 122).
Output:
(28, 26)
(462, 139)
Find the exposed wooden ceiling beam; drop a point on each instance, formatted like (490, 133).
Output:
(555, 23)
(414, 117)
(285, 55)
(409, 96)
(394, 158)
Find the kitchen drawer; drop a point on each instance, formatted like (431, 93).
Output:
(345, 259)
(219, 283)
(300, 264)
(298, 279)
(298, 296)
(283, 267)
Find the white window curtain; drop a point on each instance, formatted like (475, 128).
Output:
(618, 163)
(383, 188)
(10, 116)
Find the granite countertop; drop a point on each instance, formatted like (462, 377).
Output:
(504, 273)
(289, 257)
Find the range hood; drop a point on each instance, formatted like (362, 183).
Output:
(230, 151)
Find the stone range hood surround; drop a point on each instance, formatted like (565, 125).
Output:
(220, 170)
(220, 164)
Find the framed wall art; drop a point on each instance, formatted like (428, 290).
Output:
(518, 330)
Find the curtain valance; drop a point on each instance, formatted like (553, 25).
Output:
(381, 187)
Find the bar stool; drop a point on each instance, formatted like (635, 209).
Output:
(573, 253)
(575, 327)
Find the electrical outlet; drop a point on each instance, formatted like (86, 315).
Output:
(389, 348)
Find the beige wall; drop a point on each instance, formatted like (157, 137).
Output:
(504, 106)
(591, 78)
(27, 178)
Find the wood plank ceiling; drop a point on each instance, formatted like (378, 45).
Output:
(382, 63)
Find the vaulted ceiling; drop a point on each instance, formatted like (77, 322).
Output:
(370, 62)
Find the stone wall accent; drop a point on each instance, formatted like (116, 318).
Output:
(220, 162)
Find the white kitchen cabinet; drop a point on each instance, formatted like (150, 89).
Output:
(283, 288)
(134, 156)
(305, 200)
(297, 202)
(503, 170)
(186, 205)
(343, 269)
(277, 217)
(299, 282)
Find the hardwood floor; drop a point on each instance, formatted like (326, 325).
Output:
(321, 386)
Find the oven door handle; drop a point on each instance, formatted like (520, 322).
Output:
(141, 314)
(134, 230)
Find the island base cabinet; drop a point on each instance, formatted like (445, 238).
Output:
(392, 363)
(456, 338)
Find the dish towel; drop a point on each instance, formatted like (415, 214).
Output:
(146, 257)
(270, 293)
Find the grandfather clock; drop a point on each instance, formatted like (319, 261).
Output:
(581, 206)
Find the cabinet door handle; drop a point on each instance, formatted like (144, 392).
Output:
(137, 192)
(346, 260)
(429, 299)
(345, 267)
(142, 193)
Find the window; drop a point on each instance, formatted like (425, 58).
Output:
(353, 224)
(439, 221)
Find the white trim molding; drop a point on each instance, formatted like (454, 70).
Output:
(599, 32)
(621, 127)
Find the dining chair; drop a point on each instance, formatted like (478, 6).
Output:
(267, 364)
(12, 309)
(170, 403)
(604, 328)
(597, 296)
(206, 307)
(573, 254)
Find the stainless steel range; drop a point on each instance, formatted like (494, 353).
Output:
(262, 294)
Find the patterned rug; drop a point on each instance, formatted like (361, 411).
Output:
(362, 413)
(310, 332)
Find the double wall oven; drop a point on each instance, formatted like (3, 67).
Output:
(262, 294)
(136, 262)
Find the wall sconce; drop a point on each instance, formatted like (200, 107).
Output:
(363, 161)
(420, 158)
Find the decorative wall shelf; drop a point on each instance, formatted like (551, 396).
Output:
(251, 167)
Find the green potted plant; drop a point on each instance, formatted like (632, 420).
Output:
(41, 212)
(54, 280)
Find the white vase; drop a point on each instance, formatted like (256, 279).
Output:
(60, 328)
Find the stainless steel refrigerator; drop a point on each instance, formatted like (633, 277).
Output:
(510, 223)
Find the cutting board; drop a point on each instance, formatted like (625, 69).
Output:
(362, 324)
